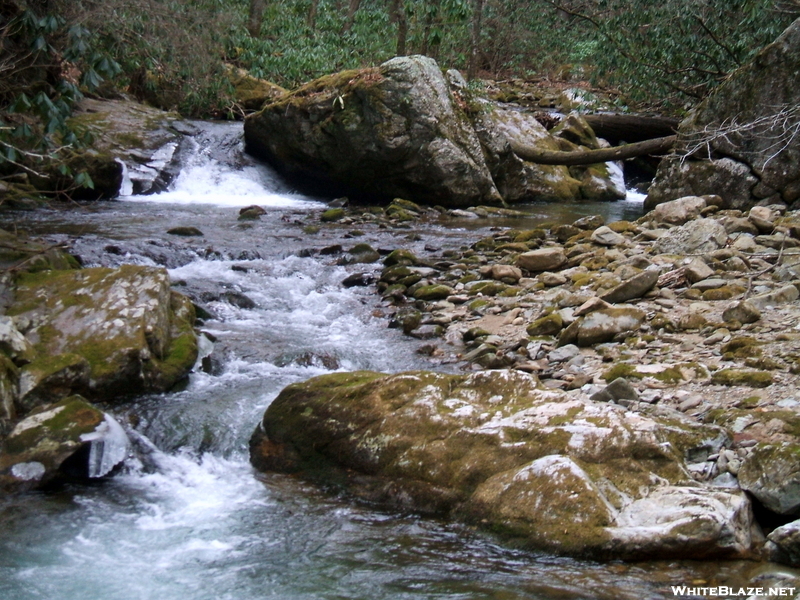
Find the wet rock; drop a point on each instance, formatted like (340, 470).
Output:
(783, 545)
(358, 280)
(71, 438)
(772, 474)
(545, 259)
(565, 475)
(185, 231)
(635, 287)
(700, 235)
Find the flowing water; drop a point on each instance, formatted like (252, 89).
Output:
(187, 517)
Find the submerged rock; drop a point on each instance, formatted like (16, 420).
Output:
(563, 474)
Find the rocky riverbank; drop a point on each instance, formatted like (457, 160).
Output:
(691, 311)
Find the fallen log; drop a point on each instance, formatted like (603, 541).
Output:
(588, 157)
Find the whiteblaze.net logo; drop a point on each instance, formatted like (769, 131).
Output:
(723, 591)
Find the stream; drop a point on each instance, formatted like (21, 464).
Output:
(187, 517)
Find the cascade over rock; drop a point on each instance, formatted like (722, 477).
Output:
(756, 159)
(494, 448)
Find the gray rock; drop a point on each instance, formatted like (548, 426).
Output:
(700, 235)
(605, 236)
(783, 545)
(676, 178)
(544, 259)
(563, 354)
(772, 474)
(635, 287)
(783, 295)
(678, 212)
(603, 325)
(393, 131)
(618, 391)
(697, 270)
(744, 312)
(132, 329)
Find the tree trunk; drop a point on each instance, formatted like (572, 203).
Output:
(398, 15)
(312, 14)
(352, 9)
(255, 16)
(589, 157)
(630, 128)
(475, 38)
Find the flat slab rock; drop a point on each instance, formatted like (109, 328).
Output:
(562, 474)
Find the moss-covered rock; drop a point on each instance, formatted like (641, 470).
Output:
(742, 377)
(392, 131)
(493, 448)
(134, 332)
(69, 439)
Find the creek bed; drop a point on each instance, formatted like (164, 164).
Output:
(187, 516)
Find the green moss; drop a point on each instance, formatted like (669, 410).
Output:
(624, 370)
(332, 214)
(739, 377)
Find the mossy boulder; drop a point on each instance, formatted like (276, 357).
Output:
(69, 439)
(135, 333)
(742, 377)
(494, 448)
(250, 92)
(772, 474)
(752, 168)
(124, 131)
(386, 132)
(518, 180)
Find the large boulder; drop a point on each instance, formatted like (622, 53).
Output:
(102, 332)
(391, 131)
(143, 138)
(69, 439)
(519, 180)
(756, 149)
(563, 474)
